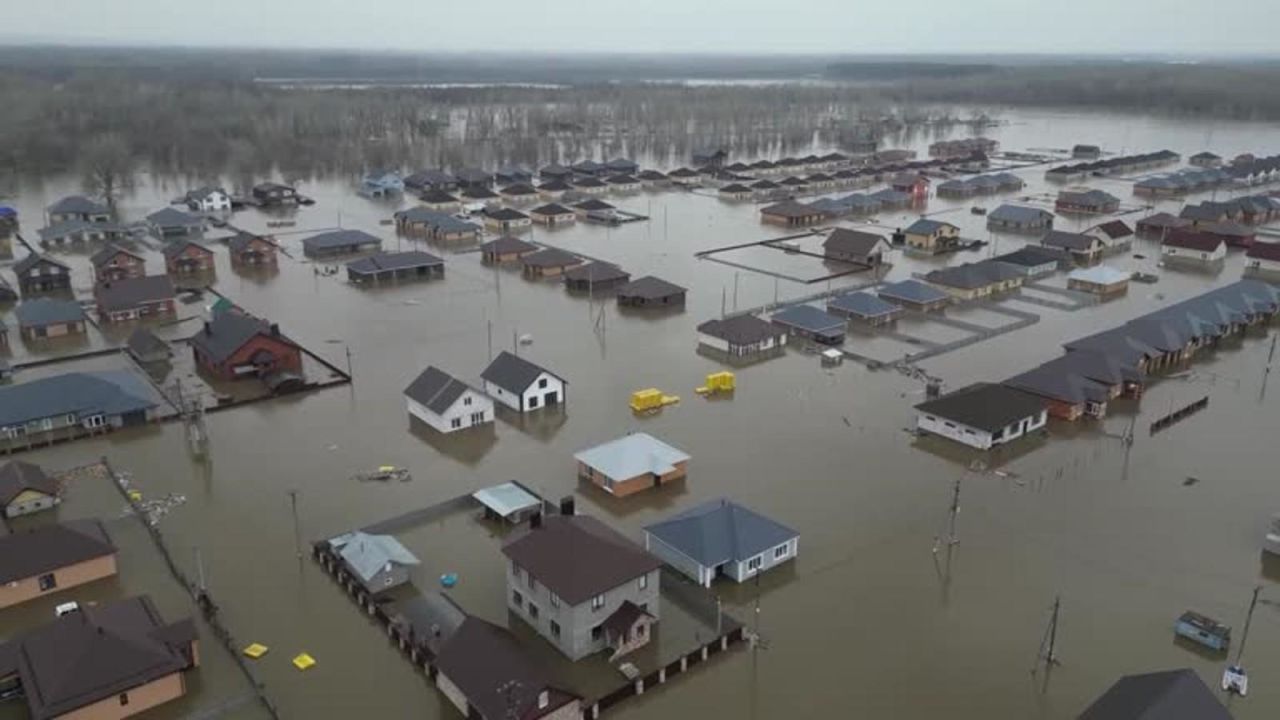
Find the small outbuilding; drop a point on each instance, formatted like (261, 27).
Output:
(510, 502)
(146, 348)
(721, 538)
(651, 292)
(378, 562)
(631, 464)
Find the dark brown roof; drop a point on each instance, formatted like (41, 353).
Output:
(17, 477)
(99, 652)
(1264, 251)
(651, 288)
(623, 618)
(578, 557)
(1192, 240)
(852, 242)
(1167, 695)
(499, 680)
(552, 209)
(790, 208)
(51, 547)
(741, 329)
(597, 272)
(507, 245)
(129, 293)
(1115, 229)
(551, 257)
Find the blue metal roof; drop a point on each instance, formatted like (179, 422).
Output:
(912, 291)
(721, 531)
(862, 304)
(807, 317)
(81, 394)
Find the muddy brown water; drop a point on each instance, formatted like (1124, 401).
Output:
(870, 621)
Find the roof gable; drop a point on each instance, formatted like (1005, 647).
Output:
(578, 557)
(719, 531)
(513, 373)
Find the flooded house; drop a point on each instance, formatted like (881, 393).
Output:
(474, 199)
(520, 192)
(505, 220)
(721, 538)
(1067, 395)
(430, 179)
(522, 385)
(555, 171)
(1165, 694)
(1100, 280)
(42, 274)
(273, 194)
(595, 209)
(712, 157)
(890, 199)
(931, 236)
(914, 295)
(50, 318)
(588, 168)
(1205, 160)
(742, 337)
(394, 267)
(207, 199)
(1086, 201)
(632, 463)
(790, 213)
(1233, 234)
(77, 208)
(141, 298)
(62, 406)
(652, 179)
(512, 174)
(590, 185)
(1116, 236)
(1193, 249)
(595, 276)
(685, 177)
(956, 189)
(1084, 249)
(25, 488)
(651, 292)
(80, 231)
(554, 189)
(1086, 152)
(378, 184)
(914, 185)
(865, 309)
(114, 660)
(53, 558)
(440, 201)
(506, 249)
(248, 251)
(378, 562)
(113, 263)
(337, 243)
(422, 218)
(982, 415)
(187, 257)
(581, 585)
(810, 323)
(735, 191)
(171, 222)
(855, 246)
(1155, 227)
(623, 183)
(977, 280)
(1019, 219)
(473, 177)
(553, 214)
(1207, 212)
(1263, 261)
(1035, 261)
(548, 262)
(146, 348)
(445, 403)
(234, 345)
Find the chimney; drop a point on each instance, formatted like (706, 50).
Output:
(535, 521)
(566, 505)
(208, 328)
(275, 330)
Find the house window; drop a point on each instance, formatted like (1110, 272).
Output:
(643, 582)
(597, 632)
(477, 418)
(466, 400)
(555, 629)
(517, 571)
(533, 402)
(455, 423)
(124, 699)
(754, 563)
(555, 600)
(517, 599)
(47, 582)
(542, 383)
(533, 611)
(781, 551)
(71, 419)
(597, 602)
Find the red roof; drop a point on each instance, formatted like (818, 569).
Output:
(1193, 240)
(1264, 251)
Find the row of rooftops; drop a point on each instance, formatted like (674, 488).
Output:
(1120, 163)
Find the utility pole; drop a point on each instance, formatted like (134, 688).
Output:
(297, 531)
(348, 350)
(200, 570)
(1048, 644)
(955, 510)
(490, 341)
(735, 290)
(1248, 619)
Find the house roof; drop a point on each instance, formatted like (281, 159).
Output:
(1166, 695)
(597, 272)
(473, 175)
(21, 267)
(589, 182)
(720, 531)
(591, 204)
(108, 392)
(1192, 240)
(1099, 275)
(435, 197)
(39, 312)
(17, 477)
(507, 498)
(1088, 197)
(1019, 214)
(650, 288)
(72, 227)
(241, 241)
(101, 257)
(985, 406)
(741, 329)
(622, 179)
(852, 242)
(173, 217)
(1068, 240)
(1053, 382)
(809, 318)
(78, 204)
(1033, 256)
(177, 247)
(790, 208)
(578, 557)
(498, 679)
(513, 373)
(1163, 220)
(477, 192)
(862, 304)
(221, 337)
(507, 244)
(551, 209)
(51, 547)
(1203, 212)
(436, 389)
(367, 555)
(1264, 251)
(912, 291)
(969, 276)
(337, 239)
(428, 177)
(143, 342)
(651, 175)
(1114, 229)
(129, 293)
(683, 172)
(97, 653)
(734, 189)
(520, 188)
(394, 261)
(925, 226)
(505, 214)
(550, 257)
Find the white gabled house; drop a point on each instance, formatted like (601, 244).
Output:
(208, 199)
(521, 385)
(446, 403)
(982, 415)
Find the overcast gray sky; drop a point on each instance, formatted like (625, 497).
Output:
(1192, 27)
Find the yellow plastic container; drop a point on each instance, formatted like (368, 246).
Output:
(135, 496)
(256, 650)
(303, 661)
(721, 381)
(648, 399)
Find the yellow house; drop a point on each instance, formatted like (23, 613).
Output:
(931, 236)
(53, 558)
(25, 488)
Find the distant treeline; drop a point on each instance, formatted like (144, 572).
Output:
(884, 71)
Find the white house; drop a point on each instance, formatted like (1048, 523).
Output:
(721, 537)
(445, 403)
(1263, 260)
(1193, 248)
(208, 199)
(982, 415)
(521, 385)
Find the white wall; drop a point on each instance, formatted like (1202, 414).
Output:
(980, 439)
(1184, 253)
(523, 403)
(713, 342)
(443, 422)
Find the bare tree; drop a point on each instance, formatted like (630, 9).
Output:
(109, 167)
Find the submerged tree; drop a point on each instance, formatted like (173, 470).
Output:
(108, 167)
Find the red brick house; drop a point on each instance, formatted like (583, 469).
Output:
(113, 263)
(251, 251)
(234, 345)
(185, 257)
(135, 298)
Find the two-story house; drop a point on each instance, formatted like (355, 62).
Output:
(581, 585)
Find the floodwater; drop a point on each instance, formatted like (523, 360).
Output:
(871, 622)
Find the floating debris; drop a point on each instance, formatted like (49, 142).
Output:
(256, 650)
(1190, 481)
(155, 510)
(385, 473)
(303, 661)
(449, 579)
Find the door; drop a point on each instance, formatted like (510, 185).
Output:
(551, 398)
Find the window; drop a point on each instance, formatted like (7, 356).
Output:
(466, 400)
(456, 423)
(517, 571)
(781, 551)
(533, 611)
(643, 582)
(542, 383)
(754, 563)
(555, 629)
(477, 418)
(124, 699)
(597, 602)
(48, 582)
(517, 599)
(597, 632)
(71, 419)
(533, 402)
(555, 600)
(531, 582)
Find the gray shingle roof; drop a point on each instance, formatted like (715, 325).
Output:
(241, 240)
(550, 257)
(973, 275)
(436, 389)
(338, 239)
(39, 312)
(131, 292)
(985, 406)
(862, 304)
(720, 531)
(172, 217)
(807, 317)
(505, 214)
(741, 329)
(596, 272)
(78, 204)
(177, 247)
(912, 291)
(367, 554)
(1068, 240)
(394, 261)
(16, 477)
(101, 257)
(650, 288)
(24, 265)
(73, 227)
(925, 226)
(1033, 255)
(577, 557)
(1167, 695)
(852, 242)
(1019, 214)
(143, 343)
(790, 209)
(435, 197)
(50, 547)
(507, 244)
(227, 333)
(81, 394)
(552, 209)
(513, 373)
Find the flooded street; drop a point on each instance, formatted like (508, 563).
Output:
(871, 622)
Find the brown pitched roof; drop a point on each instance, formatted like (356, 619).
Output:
(1264, 251)
(51, 547)
(17, 477)
(1193, 240)
(578, 557)
(852, 242)
(498, 679)
(1114, 229)
(650, 288)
